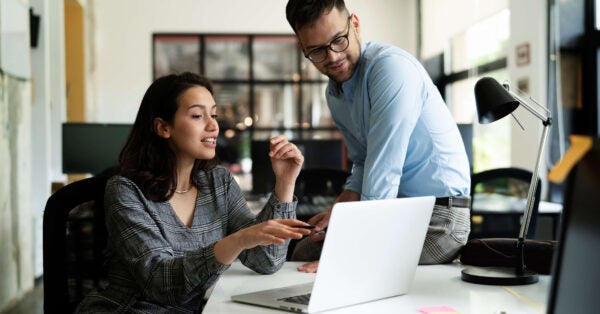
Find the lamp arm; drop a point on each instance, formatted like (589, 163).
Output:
(526, 105)
(546, 121)
(533, 184)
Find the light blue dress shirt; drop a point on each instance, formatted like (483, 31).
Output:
(400, 135)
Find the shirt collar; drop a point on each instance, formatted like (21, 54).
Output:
(351, 83)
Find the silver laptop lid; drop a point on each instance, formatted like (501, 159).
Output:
(371, 251)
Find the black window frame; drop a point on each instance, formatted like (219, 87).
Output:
(252, 82)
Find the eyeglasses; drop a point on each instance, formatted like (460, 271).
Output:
(338, 44)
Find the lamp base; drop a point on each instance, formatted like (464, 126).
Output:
(502, 276)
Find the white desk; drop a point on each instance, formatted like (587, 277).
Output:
(433, 286)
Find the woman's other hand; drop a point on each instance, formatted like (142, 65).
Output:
(286, 160)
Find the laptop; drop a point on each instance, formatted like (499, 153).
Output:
(371, 252)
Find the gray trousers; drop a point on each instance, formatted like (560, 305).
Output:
(447, 233)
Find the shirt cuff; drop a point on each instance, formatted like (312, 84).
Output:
(355, 180)
(282, 207)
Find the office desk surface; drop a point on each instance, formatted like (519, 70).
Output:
(434, 285)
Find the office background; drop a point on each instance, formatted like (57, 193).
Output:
(92, 61)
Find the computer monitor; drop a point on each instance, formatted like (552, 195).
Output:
(92, 147)
(318, 153)
(575, 274)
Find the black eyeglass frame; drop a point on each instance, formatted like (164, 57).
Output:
(330, 46)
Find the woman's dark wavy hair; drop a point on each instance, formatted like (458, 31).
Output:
(300, 13)
(147, 159)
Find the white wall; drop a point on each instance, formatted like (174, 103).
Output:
(48, 112)
(121, 65)
(443, 19)
(16, 266)
(16, 233)
(15, 38)
(528, 25)
(31, 111)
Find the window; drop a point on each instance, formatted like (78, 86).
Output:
(262, 83)
(480, 51)
(175, 54)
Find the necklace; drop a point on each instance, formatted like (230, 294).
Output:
(182, 191)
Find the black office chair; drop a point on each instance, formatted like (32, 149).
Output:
(74, 236)
(496, 185)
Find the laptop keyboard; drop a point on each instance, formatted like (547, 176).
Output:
(299, 299)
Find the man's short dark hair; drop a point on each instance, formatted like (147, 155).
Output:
(300, 13)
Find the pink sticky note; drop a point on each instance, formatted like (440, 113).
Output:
(437, 310)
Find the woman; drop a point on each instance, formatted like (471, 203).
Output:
(175, 220)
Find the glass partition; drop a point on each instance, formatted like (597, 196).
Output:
(176, 53)
(275, 58)
(227, 57)
(263, 86)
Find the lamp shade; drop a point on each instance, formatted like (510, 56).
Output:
(493, 101)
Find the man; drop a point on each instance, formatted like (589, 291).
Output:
(400, 135)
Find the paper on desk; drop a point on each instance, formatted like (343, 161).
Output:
(580, 145)
(443, 309)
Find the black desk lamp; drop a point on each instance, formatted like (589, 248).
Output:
(494, 102)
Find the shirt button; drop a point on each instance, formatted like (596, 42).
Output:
(277, 206)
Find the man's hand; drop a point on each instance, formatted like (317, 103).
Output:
(320, 221)
(309, 267)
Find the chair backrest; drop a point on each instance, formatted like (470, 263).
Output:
(74, 237)
(501, 192)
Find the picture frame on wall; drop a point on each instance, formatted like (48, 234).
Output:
(522, 52)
